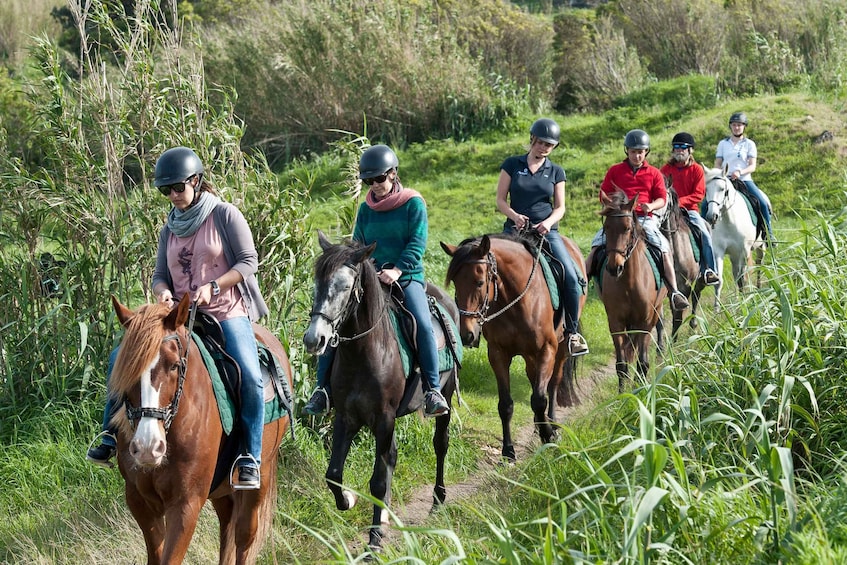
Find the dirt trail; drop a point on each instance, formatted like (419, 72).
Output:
(417, 508)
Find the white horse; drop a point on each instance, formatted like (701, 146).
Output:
(733, 228)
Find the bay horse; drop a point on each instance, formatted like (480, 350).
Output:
(167, 452)
(351, 311)
(503, 295)
(628, 287)
(734, 230)
(675, 227)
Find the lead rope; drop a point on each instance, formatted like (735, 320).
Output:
(525, 290)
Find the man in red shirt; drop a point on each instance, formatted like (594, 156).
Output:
(686, 177)
(635, 176)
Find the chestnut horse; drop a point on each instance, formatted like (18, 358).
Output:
(352, 311)
(628, 287)
(502, 294)
(167, 454)
(675, 227)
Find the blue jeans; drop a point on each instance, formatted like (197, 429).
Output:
(241, 346)
(763, 203)
(417, 303)
(573, 285)
(707, 255)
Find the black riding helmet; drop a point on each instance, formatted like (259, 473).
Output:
(683, 137)
(636, 139)
(377, 160)
(176, 165)
(739, 117)
(546, 130)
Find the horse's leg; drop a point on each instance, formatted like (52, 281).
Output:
(181, 520)
(556, 382)
(342, 437)
(440, 445)
(622, 342)
(500, 362)
(539, 371)
(642, 348)
(385, 461)
(224, 509)
(660, 335)
(150, 521)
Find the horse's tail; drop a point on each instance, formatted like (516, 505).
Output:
(264, 517)
(566, 395)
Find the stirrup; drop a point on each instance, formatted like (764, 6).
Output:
(248, 457)
(582, 345)
(674, 295)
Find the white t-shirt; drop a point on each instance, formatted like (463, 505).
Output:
(735, 155)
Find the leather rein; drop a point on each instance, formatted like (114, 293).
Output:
(492, 276)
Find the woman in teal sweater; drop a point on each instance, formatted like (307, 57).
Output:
(395, 218)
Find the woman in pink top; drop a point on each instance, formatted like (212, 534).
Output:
(206, 254)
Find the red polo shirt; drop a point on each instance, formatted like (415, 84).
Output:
(689, 183)
(647, 182)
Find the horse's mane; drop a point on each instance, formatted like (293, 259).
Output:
(336, 256)
(469, 245)
(139, 347)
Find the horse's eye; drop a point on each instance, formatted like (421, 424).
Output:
(175, 367)
(480, 283)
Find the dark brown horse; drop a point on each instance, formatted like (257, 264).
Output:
(352, 311)
(676, 228)
(503, 295)
(628, 287)
(167, 454)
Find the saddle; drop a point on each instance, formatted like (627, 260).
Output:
(225, 374)
(755, 208)
(450, 351)
(554, 273)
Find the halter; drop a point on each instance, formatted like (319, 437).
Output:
(357, 293)
(633, 238)
(491, 280)
(723, 204)
(168, 413)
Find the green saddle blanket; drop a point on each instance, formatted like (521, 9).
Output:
(445, 356)
(274, 407)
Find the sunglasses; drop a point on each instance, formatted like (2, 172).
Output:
(178, 187)
(372, 180)
(681, 146)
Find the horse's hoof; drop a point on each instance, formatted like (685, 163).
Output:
(349, 499)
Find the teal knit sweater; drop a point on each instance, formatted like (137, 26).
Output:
(400, 237)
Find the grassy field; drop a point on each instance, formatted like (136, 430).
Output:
(634, 465)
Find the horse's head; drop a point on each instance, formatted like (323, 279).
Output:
(344, 280)
(622, 230)
(148, 375)
(718, 187)
(473, 271)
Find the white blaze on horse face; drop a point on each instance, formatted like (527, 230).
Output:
(149, 436)
(327, 313)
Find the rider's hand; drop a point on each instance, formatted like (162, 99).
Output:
(389, 276)
(520, 221)
(166, 297)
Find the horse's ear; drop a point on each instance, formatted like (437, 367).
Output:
(363, 253)
(179, 315)
(484, 245)
(323, 241)
(124, 313)
(448, 249)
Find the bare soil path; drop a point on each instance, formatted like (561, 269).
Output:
(417, 508)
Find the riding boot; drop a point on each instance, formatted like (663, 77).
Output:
(678, 300)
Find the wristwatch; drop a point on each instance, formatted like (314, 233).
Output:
(216, 290)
